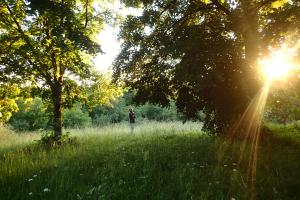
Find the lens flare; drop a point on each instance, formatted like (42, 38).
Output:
(279, 64)
(276, 68)
(246, 128)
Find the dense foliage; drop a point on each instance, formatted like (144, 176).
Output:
(31, 116)
(8, 105)
(76, 117)
(202, 54)
(283, 106)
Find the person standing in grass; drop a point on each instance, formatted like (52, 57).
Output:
(131, 119)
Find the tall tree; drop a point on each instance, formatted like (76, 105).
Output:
(49, 42)
(201, 53)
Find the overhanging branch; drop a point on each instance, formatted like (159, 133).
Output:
(86, 13)
(26, 39)
(221, 7)
(184, 18)
(167, 7)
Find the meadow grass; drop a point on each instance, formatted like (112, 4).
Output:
(167, 160)
(11, 140)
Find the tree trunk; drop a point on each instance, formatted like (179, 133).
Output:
(252, 42)
(57, 110)
(248, 27)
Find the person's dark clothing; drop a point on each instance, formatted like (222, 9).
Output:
(131, 117)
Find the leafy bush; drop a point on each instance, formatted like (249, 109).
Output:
(20, 125)
(76, 117)
(8, 105)
(49, 140)
(157, 113)
(103, 115)
(31, 116)
(283, 106)
(101, 120)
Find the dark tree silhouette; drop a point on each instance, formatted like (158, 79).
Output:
(202, 54)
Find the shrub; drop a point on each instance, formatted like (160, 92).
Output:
(157, 113)
(103, 115)
(31, 116)
(49, 141)
(76, 117)
(101, 120)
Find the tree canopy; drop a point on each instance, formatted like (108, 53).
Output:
(49, 44)
(202, 54)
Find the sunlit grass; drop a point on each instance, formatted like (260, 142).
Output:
(10, 139)
(143, 127)
(159, 161)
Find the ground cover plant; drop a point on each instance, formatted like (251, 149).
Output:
(161, 160)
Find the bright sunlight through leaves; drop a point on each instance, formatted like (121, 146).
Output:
(278, 65)
(276, 68)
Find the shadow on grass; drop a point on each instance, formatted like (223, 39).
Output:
(152, 166)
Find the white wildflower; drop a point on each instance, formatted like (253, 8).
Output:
(29, 180)
(46, 190)
(34, 176)
(30, 193)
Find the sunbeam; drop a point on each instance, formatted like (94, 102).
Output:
(278, 66)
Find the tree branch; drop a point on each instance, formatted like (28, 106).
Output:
(86, 13)
(184, 18)
(20, 30)
(46, 76)
(167, 7)
(221, 7)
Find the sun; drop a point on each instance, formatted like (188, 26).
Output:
(278, 66)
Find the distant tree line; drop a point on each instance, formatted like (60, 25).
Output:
(35, 114)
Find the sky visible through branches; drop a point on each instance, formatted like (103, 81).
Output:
(109, 38)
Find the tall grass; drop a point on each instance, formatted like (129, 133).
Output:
(159, 161)
(10, 139)
(143, 127)
(290, 130)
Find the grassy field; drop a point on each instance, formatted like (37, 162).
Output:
(159, 161)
